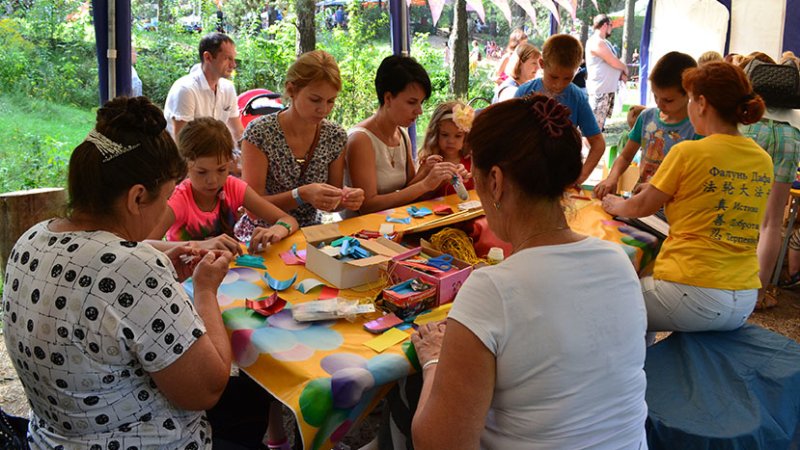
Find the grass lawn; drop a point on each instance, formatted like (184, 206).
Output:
(36, 140)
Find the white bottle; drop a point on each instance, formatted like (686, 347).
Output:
(458, 185)
(495, 255)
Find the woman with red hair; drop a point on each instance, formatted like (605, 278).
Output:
(714, 192)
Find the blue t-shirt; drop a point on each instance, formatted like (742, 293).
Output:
(573, 98)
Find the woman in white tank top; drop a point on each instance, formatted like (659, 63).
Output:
(378, 152)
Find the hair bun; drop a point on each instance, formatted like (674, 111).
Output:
(552, 115)
(133, 114)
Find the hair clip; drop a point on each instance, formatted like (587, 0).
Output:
(108, 148)
(554, 116)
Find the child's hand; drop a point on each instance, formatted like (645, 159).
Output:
(639, 188)
(262, 237)
(462, 172)
(612, 204)
(605, 187)
(321, 196)
(440, 173)
(352, 198)
(428, 164)
(222, 242)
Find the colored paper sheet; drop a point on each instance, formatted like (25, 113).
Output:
(279, 285)
(251, 261)
(266, 306)
(387, 339)
(291, 259)
(413, 211)
(328, 292)
(435, 315)
(405, 220)
(308, 284)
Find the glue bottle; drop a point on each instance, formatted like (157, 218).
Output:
(495, 255)
(458, 185)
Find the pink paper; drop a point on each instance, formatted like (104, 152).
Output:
(290, 259)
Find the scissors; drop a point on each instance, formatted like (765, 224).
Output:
(442, 262)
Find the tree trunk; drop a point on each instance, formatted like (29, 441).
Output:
(306, 35)
(21, 210)
(627, 31)
(459, 70)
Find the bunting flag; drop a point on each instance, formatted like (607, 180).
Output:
(477, 6)
(502, 5)
(551, 6)
(436, 9)
(528, 8)
(570, 5)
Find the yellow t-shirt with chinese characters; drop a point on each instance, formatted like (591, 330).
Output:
(719, 187)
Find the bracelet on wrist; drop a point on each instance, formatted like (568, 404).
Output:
(283, 224)
(297, 198)
(430, 363)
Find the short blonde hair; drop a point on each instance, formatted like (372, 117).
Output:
(709, 56)
(316, 65)
(562, 50)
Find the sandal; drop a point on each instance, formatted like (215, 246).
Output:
(792, 282)
(768, 300)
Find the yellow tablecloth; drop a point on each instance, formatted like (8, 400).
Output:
(322, 370)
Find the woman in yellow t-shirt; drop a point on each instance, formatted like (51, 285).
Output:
(714, 191)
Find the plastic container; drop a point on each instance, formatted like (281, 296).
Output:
(495, 255)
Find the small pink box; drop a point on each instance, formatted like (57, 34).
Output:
(447, 283)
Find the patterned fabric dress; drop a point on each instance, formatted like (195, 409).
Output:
(284, 170)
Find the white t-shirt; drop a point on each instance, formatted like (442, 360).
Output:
(88, 317)
(567, 326)
(191, 97)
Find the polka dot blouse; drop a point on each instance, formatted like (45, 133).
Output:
(87, 317)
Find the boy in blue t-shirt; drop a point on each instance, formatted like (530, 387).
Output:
(657, 129)
(561, 56)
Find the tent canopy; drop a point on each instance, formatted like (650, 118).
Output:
(725, 26)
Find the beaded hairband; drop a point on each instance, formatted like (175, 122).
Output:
(108, 148)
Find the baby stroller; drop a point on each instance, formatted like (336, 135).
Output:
(258, 102)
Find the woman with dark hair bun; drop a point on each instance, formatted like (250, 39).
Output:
(714, 192)
(109, 348)
(546, 359)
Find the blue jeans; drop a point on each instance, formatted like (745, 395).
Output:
(680, 307)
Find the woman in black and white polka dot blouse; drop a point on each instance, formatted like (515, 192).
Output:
(111, 351)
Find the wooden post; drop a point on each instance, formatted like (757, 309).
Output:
(21, 210)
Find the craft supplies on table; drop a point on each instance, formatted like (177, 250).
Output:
(409, 298)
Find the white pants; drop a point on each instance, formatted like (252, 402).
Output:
(680, 307)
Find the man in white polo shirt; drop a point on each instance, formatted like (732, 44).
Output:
(206, 91)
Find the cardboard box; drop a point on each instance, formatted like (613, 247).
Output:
(347, 274)
(447, 283)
